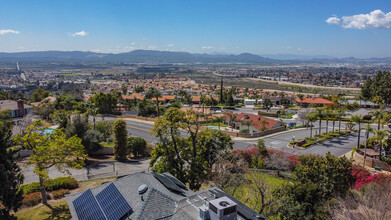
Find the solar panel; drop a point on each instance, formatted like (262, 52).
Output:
(177, 182)
(87, 208)
(167, 183)
(113, 203)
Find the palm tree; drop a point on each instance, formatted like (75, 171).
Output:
(358, 119)
(203, 99)
(368, 129)
(219, 120)
(379, 114)
(381, 135)
(93, 112)
(333, 116)
(263, 122)
(339, 114)
(319, 114)
(232, 118)
(327, 114)
(311, 118)
(301, 97)
(248, 123)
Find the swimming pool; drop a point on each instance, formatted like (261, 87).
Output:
(48, 131)
(213, 127)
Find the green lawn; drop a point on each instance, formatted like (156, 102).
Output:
(107, 144)
(288, 116)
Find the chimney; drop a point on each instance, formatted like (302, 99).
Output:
(222, 209)
(20, 108)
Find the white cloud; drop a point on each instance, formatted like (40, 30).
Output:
(170, 45)
(152, 47)
(79, 34)
(133, 43)
(333, 20)
(207, 47)
(376, 19)
(8, 31)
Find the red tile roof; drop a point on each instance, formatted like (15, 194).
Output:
(138, 96)
(314, 100)
(256, 120)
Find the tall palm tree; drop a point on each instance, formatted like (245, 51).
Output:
(311, 118)
(219, 120)
(203, 99)
(93, 111)
(319, 114)
(326, 113)
(379, 114)
(339, 114)
(358, 119)
(381, 135)
(368, 129)
(232, 118)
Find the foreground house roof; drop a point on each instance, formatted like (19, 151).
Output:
(149, 196)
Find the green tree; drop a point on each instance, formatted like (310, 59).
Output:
(61, 117)
(267, 104)
(93, 111)
(51, 150)
(139, 89)
(187, 158)
(137, 146)
(248, 123)
(44, 110)
(232, 118)
(358, 119)
(120, 140)
(219, 121)
(10, 176)
(124, 89)
(38, 95)
(105, 102)
(154, 93)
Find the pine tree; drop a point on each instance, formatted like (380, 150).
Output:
(10, 176)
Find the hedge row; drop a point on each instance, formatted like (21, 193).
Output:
(35, 198)
(51, 185)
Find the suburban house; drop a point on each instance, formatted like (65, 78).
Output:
(17, 108)
(308, 101)
(251, 102)
(155, 196)
(137, 96)
(197, 99)
(258, 123)
(164, 98)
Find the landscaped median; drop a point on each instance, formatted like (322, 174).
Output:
(307, 142)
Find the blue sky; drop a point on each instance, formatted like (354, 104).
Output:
(353, 27)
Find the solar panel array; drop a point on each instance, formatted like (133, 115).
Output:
(169, 184)
(113, 203)
(109, 204)
(87, 208)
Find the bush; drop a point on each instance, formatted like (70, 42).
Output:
(137, 146)
(91, 141)
(105, 128)
(58, 194)
(367, 117)
(61, 183)
(31, 199)
(258, 163)
(30, 188)
(51, 184)
(245, 131)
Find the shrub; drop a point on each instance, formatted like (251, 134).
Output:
(91, 141)
(105, 128)
(367, 117)
(137, 146)
(51, 184)
(31, 199)
(258, 163)
(58, 194)
(30, 188)
(61, 183)
(245, 131)
(363, 177)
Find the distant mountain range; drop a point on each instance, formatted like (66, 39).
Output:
(153, 56)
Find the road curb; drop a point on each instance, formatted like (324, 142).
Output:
(267, 136)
